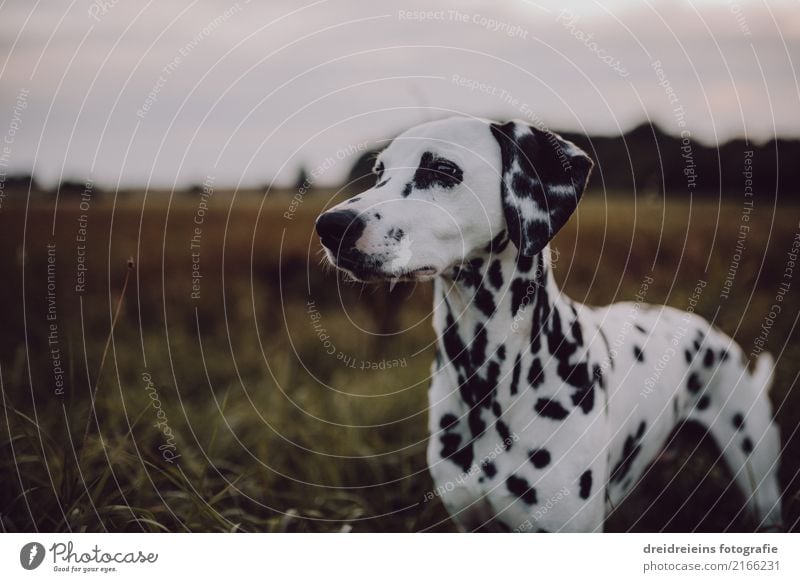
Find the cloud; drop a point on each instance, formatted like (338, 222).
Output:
(247, 91)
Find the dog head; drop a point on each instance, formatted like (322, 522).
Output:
(445, 189)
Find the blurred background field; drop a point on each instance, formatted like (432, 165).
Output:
(270, 421)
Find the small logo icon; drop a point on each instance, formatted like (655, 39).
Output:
(31, 555)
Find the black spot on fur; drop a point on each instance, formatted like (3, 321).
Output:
(489, 469)
(639, 328)
(535, 374)
(688, 355)
(724, 355)
(477, 378)
(550, 408)
(641, 429)
(496, 274)
(577, 331)
(541, 314)
(708, 360)
(450, 442)
(747, 445)
(478, 346)
(516, 373)
(703, 403)
(467, 276)
(475, 421)
(356, 199)
(584, 394)
(453, 346)
(407, 189)
(498, 244)
(585, 484)
(540, 458)
(738, 421)
(520, 487)
(447, 421)
(501, 353)
(638, 354)
(505, 434)
(630, 451)
(451, 450)
(519, 288)
(693, 383)
(524, 263)
(484, 301)
(577, 375)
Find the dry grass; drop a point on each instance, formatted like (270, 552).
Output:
(273, 432)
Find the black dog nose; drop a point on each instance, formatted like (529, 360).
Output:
(338, 227)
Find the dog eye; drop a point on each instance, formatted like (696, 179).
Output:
(447, 172)
(378, 170)
(445, 168)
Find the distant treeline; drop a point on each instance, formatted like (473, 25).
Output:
(649, 161)
(646, 160)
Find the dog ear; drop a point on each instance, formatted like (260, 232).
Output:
(543, 178)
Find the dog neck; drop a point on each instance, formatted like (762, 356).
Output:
(498, 297)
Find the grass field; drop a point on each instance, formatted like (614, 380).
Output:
(282, 398)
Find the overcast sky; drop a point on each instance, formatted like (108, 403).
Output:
(170, 92)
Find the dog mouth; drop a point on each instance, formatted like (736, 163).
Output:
(417, 275)
(369, 270)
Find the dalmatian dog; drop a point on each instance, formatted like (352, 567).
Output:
(538, 422)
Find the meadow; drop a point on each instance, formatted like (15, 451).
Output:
(246, 387)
